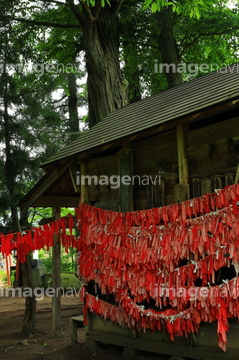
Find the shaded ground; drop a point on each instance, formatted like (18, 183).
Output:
(43, 346)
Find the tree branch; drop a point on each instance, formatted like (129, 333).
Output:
(57, 101)
(117, 8)
(87, 9)
(55, 2)
(205, 34)
(46, 23)
(97, 9)
(76, 11)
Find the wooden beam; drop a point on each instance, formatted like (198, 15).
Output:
(55, 201)
(56, 279)
(84, 187)
(125, 162)
(182, 189)
(237, 175)
(38, 190)
(213, 133)
(182, 158)
(74, 173)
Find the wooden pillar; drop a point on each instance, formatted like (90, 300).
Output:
(17, 271)
(237, 175)
(7, 269)
(182, 189)
(126, 179)
(83, 199)
(83, 186)
(56, 279)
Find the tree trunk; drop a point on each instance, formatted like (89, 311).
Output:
(106, 90)
(131, 70)
(130, 53)
(10, 174)
(30, 303)
(168, 47)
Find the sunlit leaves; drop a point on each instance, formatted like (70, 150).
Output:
(191, 8)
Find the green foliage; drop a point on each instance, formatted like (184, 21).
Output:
(34, 125)
(38, 124)
(68, 260)
(35, 215)
(191, 8)
(70, 281)
(46, 257)
(3, 277)
(13, 277)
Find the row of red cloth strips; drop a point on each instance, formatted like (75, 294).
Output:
(169, 245)
(136, 236)
(37, 238)
(144, 283)
(107, 261)
(170, 213)
(217, 200)
(175, 322)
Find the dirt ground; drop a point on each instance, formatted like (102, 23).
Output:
(43, 346)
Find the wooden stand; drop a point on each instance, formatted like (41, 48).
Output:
(76, 322)
(203, 347)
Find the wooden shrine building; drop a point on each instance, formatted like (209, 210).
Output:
(178, 145)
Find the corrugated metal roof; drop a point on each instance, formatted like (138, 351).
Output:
(184, 99)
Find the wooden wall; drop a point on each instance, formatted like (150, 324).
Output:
(210, 157)
(156, 156)
(102, 166)
(210, 149)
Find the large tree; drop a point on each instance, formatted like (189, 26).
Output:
(28, 124)
(99, 25)
(120, 42)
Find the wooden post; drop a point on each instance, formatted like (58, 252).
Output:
(17, 272)
(56, 279)
(206, 186)
(84, 188)
(182, 189)
(7, 270)
(237, 175)
(126, 175)
(83, 199)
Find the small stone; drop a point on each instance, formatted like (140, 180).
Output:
(22, 342)
(93, 346)
(32, 340)
(9, 348)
